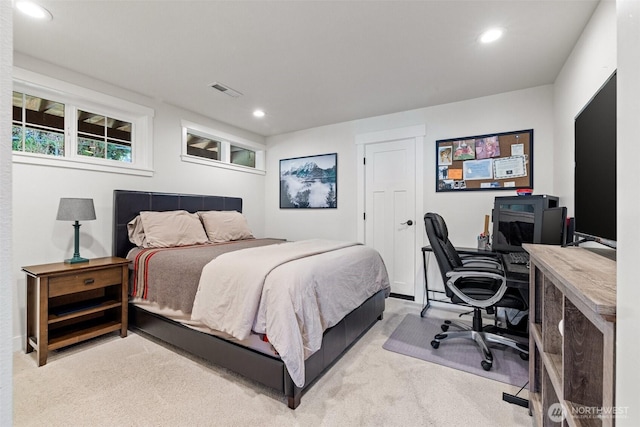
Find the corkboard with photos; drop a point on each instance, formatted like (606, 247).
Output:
(499, 161)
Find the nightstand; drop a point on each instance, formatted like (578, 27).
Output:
(70, 303)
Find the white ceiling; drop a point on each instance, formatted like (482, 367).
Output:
(307, 63)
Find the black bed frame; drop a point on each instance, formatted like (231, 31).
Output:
(263, 368)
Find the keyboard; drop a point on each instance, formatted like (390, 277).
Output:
(516, 271)
(518, 258)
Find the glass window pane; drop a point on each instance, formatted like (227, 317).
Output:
(203, 147)
(91, 124)
(119, 130)
(16, 138)
(119, 152)
(43, 142)
(44, 113)
(242, 156)
(17, 106)
(41, 129)
(91, 147)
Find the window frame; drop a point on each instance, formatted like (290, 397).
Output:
(226, 141)
(79, 98)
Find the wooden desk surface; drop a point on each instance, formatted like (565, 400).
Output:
(587, 276)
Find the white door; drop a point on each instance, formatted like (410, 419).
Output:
(390, 209)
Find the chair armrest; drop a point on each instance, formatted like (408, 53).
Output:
(475, 272)
(471, 269)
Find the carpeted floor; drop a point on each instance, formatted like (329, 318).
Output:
(134, 381)
(413, 338)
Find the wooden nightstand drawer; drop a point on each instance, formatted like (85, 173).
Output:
(84, 281)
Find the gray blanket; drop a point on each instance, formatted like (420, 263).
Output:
(170, 276)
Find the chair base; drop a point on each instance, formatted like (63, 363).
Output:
(481, 337)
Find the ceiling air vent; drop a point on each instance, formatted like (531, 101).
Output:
(226, 90)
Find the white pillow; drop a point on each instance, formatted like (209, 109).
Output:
(224, 226)
(136, 232)
(172, 228)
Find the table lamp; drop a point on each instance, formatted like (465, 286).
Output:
(76, 210)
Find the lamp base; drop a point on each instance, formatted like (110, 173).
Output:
(75, 260)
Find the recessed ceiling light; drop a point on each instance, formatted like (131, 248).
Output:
(258, 113)
(34, 10)
(491, 35)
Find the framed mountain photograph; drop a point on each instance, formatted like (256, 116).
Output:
(309, 182)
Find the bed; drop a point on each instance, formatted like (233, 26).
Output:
(260, 366)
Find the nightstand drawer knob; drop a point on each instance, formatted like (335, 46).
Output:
(88, 281)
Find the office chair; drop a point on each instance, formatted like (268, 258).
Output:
(475, 281)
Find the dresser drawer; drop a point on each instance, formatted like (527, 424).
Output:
(84, 281)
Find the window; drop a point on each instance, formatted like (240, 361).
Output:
(214, 148)
(57, 123)
(104, 137)
(38, 125)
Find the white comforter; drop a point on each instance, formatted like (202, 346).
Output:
(285, 292)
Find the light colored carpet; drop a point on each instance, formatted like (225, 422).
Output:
(138, 382)
(413, 338)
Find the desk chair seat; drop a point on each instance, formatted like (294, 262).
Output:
(477, 282)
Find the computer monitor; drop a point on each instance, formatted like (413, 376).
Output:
(524, 219)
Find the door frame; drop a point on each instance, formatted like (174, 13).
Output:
(417, 133)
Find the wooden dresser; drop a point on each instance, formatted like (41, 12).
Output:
(572, 337)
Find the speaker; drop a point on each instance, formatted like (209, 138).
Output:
(570, 228)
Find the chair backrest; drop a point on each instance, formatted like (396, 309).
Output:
(444, 251)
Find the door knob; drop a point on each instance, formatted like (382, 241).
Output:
(409, 222)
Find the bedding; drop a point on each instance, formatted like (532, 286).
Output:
(283, 291)
(170, 276)
(288, 293)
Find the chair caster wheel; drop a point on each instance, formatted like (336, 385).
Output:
(444, 328)
(435, 344)
(524, 356)
(486, 365)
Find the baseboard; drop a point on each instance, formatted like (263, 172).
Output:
(402, 296)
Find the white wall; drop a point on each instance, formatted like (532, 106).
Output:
(6, 274)
(464, 212)
(591, 63)
(39, 238)
(628, 315)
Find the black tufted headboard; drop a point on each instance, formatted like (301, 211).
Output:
(127, 204)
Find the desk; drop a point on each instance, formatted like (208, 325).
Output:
(512, 282)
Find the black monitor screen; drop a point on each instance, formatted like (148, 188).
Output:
(514, 225)
(595, 167)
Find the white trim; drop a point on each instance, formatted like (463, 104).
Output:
(391, 134)
(418, 133)
(61, 162)
(219, 164)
